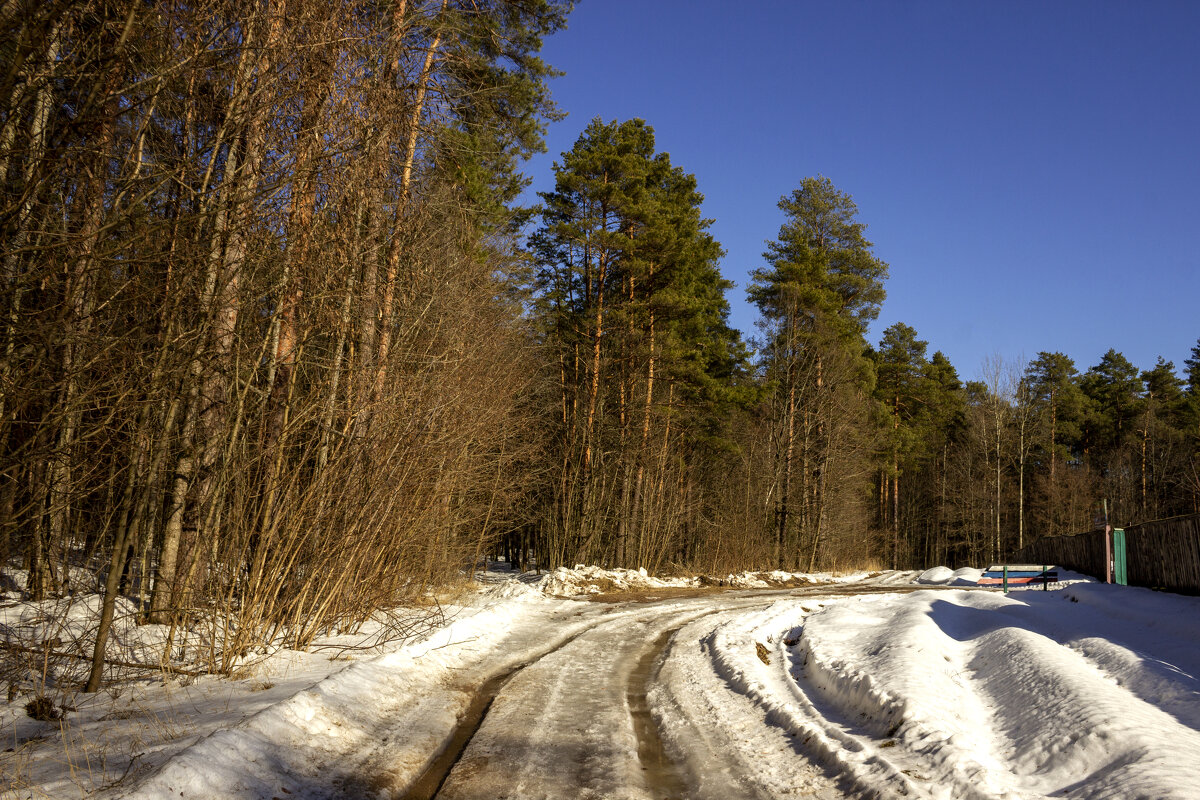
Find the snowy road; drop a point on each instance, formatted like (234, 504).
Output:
(871, 689)
(850, 691)
(577, 723)
(632, 707)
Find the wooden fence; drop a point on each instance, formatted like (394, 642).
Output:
(1163, 554)
(1083, 552)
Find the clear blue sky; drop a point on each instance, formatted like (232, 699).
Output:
(1030, 170)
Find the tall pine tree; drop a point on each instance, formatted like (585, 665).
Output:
(820, 288)
(632, 303)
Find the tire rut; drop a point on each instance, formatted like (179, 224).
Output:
(431, 780)
(661, 773)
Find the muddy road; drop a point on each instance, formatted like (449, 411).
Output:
(591, 717)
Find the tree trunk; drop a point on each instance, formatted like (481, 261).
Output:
(998, 466)
(1021, 484)
(594, 386)
(393, 255)
(640, 516)
(785, 492)
(220, 304)
(812, 557)
(896, 485)
(335, 376)
(38, 127)
(78, 305)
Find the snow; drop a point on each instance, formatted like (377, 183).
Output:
(209, 736)
(592, 580)
(583, 579)
(397, 707)
(944, 576)
(1089, 691)
(879, 685)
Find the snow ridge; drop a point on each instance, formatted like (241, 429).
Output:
(968, 694)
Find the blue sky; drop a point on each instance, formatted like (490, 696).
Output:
(1029, 170)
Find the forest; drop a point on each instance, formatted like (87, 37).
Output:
(281, 346)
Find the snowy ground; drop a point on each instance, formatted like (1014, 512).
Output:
(888, 685)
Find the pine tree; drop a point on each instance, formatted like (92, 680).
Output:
(821, 287)
(947, 430)
(1191, 467)
(1162, 440)
(904, 390)
(821, 270)
(1114, 387)
(630, 298)
(1053, 383)
(498, 102)
(1192, 370)
(1114, 391)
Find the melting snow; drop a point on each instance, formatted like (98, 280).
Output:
(1083, 691)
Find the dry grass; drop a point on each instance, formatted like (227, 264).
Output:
(86, 757)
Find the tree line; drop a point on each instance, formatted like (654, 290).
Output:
(678, 444)
(1034, 448)
(281, 347)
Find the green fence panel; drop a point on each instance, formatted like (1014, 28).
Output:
(1120, 566)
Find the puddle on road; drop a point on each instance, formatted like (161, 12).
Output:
(430, 783)
(427, 786)
(662, 777)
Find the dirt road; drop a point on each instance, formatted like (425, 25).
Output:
(593, 718)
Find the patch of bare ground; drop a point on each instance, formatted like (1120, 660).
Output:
(794, 582)
(708, 585)
(651, 594)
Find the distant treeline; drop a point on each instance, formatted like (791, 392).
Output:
(278, 342)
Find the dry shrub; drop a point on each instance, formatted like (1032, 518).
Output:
(42, 708)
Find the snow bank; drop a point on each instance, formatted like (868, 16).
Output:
(564, 582)
(944, 576)
(895, 577)
(207, 736)
(1089, 691)
(585, 580)
(398, 707)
